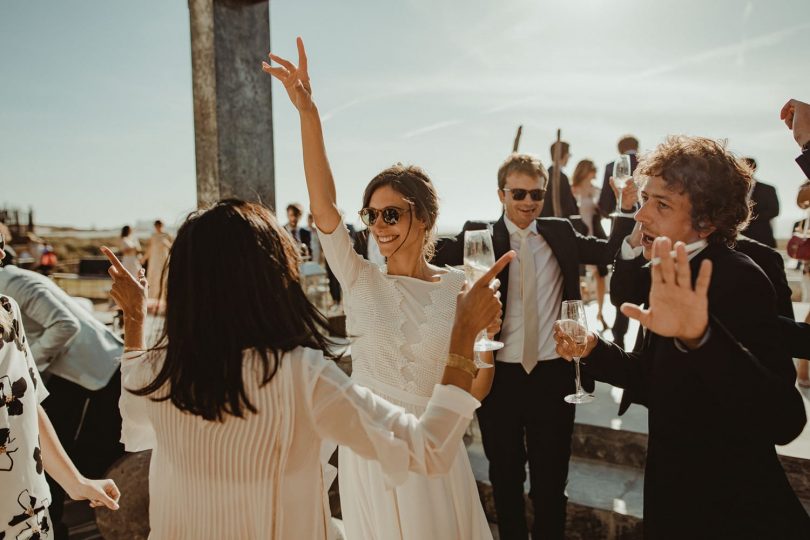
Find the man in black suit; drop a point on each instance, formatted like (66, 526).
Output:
(301, 236)
(765, 208)
(712, 368)
(524, 417)
(568, 203)
(628, 144)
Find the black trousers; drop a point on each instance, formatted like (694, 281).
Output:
(88, 424)
(524, 418)
(620, 326)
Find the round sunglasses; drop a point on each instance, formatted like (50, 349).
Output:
(520, 194)
(390, 215)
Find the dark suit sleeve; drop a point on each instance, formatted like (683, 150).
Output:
(607, 200)
(796, 336)
(628, 282)
(804, 162)
(609, 363)
(450, 251)
(306, 239)
(594, 250)
(746, 362)
(784, 304)
(767, 203)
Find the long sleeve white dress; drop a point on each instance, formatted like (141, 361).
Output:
(400, 329)
(262, 476)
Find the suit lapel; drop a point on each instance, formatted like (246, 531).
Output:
(501, 244)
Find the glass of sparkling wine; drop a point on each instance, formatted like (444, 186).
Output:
(575, 326)
(479, 257)
(621, 175)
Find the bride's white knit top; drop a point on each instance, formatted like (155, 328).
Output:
(400, 326)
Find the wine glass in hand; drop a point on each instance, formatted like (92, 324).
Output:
(622, 174)
(478, 259)
(575, 327)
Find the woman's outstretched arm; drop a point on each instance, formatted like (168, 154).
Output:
(320, 184)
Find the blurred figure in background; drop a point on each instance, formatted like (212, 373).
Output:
(302, 237)
(156, 256)
(765, 208)
(587, 197)
(129, 251)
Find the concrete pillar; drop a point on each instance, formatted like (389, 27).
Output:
(233, 117)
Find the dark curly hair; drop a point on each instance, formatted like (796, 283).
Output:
(414, 185)
(715, 180)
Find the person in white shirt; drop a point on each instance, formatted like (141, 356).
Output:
(524, 417)
(236, 400)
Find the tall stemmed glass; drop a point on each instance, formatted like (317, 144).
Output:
(575, 326)
(479, 257)
(622, 174)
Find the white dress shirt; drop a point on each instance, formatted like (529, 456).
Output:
(549, 298)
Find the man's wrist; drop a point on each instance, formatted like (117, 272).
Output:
(692, 343)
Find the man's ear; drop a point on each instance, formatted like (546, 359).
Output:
(705, 229)
(501, 195)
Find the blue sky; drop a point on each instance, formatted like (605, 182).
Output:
(96, 118)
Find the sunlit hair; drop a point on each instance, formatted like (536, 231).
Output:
(714, 179)
(232, 287)
(414, 185)
(524, 163)
(583, 168)
(627, 143)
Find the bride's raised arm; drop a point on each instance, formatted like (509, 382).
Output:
(320, 184)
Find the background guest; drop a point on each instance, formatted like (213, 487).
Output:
(765, 209)
(129, 248)
(587, 196)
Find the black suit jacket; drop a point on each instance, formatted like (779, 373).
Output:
(631, 281)
(797, 337)
(568, 203)
(766, 207)
(715, 412)
(804, 162)
(607, 200)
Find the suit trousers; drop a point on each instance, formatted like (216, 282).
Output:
(88, 424)
(525, 419)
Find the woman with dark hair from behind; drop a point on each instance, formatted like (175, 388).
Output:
(236, 397)
(400, 317)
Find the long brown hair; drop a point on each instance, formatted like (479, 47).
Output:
(581, 171)
(232, 286)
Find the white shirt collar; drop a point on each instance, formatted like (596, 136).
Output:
(512, 228)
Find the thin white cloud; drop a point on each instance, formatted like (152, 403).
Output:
(429, 128)
(759, 42)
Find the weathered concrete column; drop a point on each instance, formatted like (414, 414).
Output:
(233, 118)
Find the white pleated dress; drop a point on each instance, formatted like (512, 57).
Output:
(262, 476)
(400, 329)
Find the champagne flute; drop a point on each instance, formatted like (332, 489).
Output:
(622, 174)
(575, 326)
(479, 257)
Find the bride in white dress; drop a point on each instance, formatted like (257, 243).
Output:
(400, 317)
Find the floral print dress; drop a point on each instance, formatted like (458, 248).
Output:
(24, 493)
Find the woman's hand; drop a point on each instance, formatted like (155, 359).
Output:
(98, 492)
(479, 306)
(295, 79)
(128, 292)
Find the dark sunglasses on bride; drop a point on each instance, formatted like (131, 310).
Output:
(520, 194)
(390, 215)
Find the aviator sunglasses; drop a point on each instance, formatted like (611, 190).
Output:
(520, 194)
(390, 215)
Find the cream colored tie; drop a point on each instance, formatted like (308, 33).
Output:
(528, 291)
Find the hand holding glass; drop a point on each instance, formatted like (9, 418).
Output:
(575, 326)
(479, 257)
(622, 174)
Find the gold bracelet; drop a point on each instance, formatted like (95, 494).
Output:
(463, 363)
